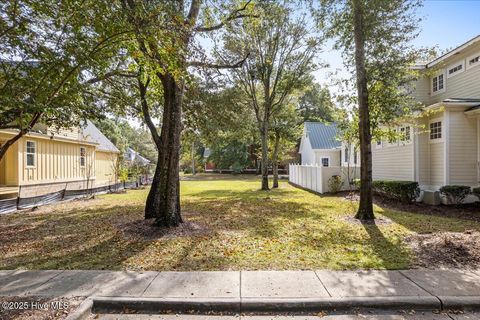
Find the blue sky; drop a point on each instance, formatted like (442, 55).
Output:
(446, 24)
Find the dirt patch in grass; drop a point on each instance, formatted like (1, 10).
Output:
(34, 308)
(446, 249)
(469, 211)
(377, 221)
(147, 230)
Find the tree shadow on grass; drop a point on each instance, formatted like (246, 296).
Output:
(390, 252)
(259, 214)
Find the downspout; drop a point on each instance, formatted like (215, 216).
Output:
(446, 147)
(478, 150)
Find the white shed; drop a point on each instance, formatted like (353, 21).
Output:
(320, 145)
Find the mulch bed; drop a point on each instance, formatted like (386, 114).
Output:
(446, 250)
(147, 230)
(43, 310)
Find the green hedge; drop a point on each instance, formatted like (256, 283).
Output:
(454, 193)
(405, 191)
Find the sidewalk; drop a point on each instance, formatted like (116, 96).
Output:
(253, 290)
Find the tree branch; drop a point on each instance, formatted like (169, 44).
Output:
(145, 111)
(232, 16)
(120, 73)
(218, 66)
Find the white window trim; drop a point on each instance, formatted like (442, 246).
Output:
(444, 83)
(34, 154)
(395, 143)
(456, 72)
(410, 140)
(442, 139)
(356, 154)
(84, 157)
(468, 66)
(346, 150)
(321, 161)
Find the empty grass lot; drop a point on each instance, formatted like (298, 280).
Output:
(241, 228)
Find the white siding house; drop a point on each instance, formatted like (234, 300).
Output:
(319, 145)
(443, 145)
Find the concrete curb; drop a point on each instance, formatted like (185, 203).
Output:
(237, 305)
(339, 303)
(83, 310)
(159, 305)
(460, 302)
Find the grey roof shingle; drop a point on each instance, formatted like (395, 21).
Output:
(134, 156)
(322, 136)
(92, 134)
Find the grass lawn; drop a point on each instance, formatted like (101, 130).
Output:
(245, 228)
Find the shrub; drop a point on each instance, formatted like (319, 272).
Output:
(335, 183)
(476, 192)
(356, 183)
(405, 191)
(455, 194)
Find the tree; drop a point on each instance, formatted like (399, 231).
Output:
(164, 49)
(379, 32)
(285, 128)
(224, 123)
(281, 49)
(316, 104)
(48, 52)
(365, 209)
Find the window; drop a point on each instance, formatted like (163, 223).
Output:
(438, 83)
(325, 162)
(82, 157)
(473, 61)
(455, 69)
(405, 134)
(436, 130)
(355, 157)
(31, 150)
(346, 155)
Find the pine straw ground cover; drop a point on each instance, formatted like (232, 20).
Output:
(230, 225)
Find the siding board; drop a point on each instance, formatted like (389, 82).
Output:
(463, 149)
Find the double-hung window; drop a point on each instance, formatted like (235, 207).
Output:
(405, 134)
(30, 153)
(438, 83)
(82, 156)
(436, 130)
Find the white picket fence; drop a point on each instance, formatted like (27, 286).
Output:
(315, 177)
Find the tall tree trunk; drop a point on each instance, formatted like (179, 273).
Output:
(193, 157)
(275, 160)
(163, 202)
(264, 162)
(153, 194)
(365, 209)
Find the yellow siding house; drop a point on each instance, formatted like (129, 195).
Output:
(46, 161)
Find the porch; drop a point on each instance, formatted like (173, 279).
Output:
(7, 192)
